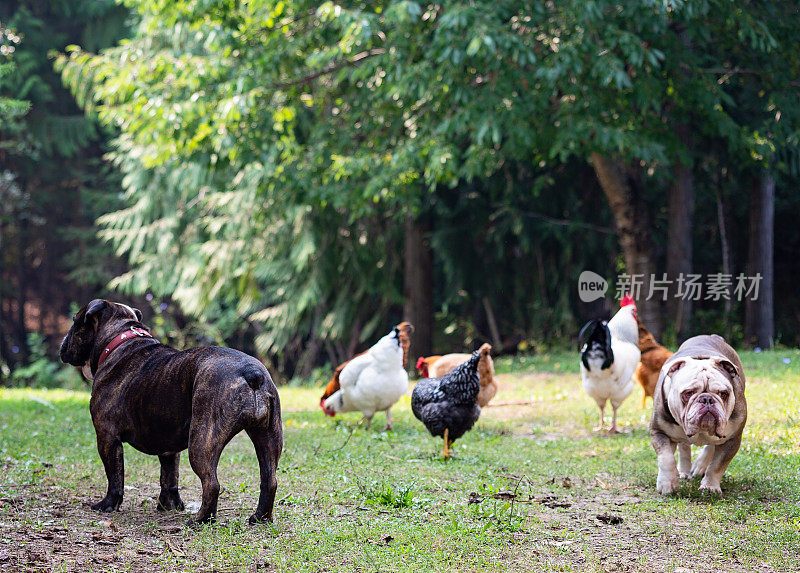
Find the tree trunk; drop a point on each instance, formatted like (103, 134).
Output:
(759, 318)
(4, 354)
(418, 286)
(727, 265)
(679, 237)
(633, 234)
(22, 287)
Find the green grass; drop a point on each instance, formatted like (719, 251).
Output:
(352, 499)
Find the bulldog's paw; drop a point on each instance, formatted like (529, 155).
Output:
(710, 486)
(170, 501)
(699, 468)
(685, 475)
(666, 484)
(255, 519)
(195, 522)
(108, 504)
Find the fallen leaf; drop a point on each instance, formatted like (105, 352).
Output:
(142, 551)
(177, 551)
(171, 529)
(610, 519)
(554, 504)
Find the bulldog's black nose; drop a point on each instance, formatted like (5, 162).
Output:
(706, 399)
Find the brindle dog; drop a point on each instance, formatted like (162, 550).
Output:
(161, 401)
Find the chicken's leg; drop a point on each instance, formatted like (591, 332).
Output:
(388, 420)
(644, 398)
(613, 429)
(369, 420)
(446, 453)
(602, 425)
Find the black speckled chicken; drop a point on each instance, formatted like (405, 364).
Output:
(448, 406)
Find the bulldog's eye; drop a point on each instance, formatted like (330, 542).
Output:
(724, 395)
(686, 394)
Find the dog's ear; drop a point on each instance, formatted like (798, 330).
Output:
(138, 314)
(727, 367)
(675, 367)
(94, 308)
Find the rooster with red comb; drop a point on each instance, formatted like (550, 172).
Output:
(609, 358)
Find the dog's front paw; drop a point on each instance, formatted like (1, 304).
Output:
(710, 486)
(108, 504)
(685, 475)
(666, 484)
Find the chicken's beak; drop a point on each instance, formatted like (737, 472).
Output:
(326, 411)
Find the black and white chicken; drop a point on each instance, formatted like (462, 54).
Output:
(609, 358)
(448, 406)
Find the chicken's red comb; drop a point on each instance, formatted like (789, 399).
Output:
(420, 362)
(627, 300)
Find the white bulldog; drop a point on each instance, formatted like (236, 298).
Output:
(699, 400)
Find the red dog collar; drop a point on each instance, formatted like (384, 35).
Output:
(120, 338)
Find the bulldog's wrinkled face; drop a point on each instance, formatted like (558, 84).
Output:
(701, 394)
(77, 346)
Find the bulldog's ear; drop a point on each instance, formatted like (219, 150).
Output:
(138, 314)
(675, 367)
(727, 367)
(94, 308)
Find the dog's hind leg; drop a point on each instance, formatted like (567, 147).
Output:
(701, 463)
(684, 460)
(205, 448)
(268, 442)
(169, 497)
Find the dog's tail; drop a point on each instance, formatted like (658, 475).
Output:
(266, 401)
(254, 376)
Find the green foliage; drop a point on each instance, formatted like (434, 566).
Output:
(53, 183)
(12, 110)
(44, 372)
(265, 145)
(386, 495)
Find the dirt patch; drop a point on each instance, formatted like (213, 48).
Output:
(48, 529)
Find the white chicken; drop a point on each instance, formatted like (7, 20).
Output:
(371, 382)
(609, 359)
